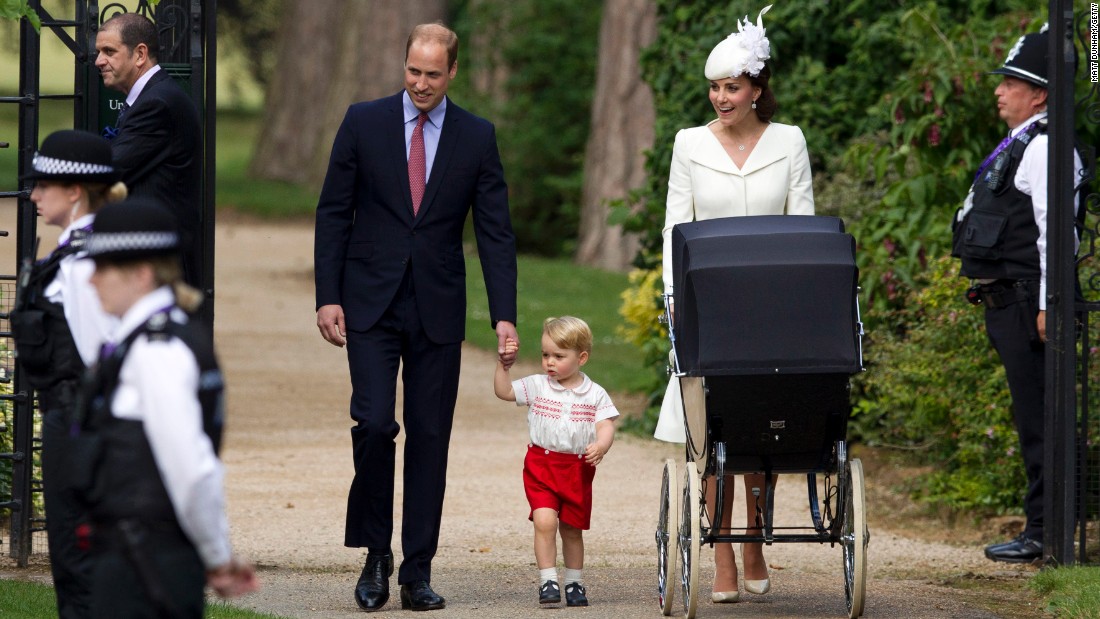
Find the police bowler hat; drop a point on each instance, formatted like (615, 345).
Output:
(1027, 60)
(72, 156)
(133, 229)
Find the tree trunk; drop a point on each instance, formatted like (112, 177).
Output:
(332, 53)
(622, 130)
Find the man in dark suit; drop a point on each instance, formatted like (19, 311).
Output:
(158, 142)
(404, 173)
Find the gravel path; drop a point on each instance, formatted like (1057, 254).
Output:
(288, 457)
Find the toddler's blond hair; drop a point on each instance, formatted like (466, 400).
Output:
(569, 332)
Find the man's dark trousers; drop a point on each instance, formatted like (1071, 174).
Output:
(1013, 332)
(430, 374)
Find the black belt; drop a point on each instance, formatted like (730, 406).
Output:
(1005, 292)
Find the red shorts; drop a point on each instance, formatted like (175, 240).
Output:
(561, 482)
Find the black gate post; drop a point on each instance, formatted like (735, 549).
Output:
(204, 12)
(1059, 461)
(22, 405)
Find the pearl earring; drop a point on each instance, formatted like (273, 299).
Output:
(754, 104)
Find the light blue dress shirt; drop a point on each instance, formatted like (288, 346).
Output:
(432, 128)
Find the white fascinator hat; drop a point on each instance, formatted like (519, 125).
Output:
(741, 52)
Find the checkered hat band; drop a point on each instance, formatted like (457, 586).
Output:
(50, 165)
(111, 242)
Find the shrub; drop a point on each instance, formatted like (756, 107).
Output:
(937, 390)
(642, 304)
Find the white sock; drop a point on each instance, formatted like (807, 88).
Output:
(572, 575)
(550, 573)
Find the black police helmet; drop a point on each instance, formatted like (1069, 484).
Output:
(133, 229)
(72, 156)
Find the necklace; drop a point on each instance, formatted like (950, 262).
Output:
(752, 139)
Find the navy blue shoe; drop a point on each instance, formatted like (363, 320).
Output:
(549, 593)
(1020, 550)
(575, 595)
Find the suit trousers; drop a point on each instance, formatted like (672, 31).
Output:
(70, 564)
(429, 373)
(1014, 334)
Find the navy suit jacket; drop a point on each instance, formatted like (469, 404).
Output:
(366, 235)
(159, 151)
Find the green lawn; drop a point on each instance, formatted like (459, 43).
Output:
(557, 288)
(1071, 592)
(235, 143)
(28, 600)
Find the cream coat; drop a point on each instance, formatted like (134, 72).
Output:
(704, 183)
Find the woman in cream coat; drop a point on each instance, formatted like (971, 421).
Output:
(739, 164)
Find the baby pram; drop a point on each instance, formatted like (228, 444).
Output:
(765, 335)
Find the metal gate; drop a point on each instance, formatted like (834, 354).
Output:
(186, 30)
(1072, 454)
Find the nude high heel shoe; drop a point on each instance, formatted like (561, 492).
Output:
(759, 587)
(725, 597)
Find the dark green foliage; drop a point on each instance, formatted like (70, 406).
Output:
(830, 62)
(251, 26)
(937, 391)
(550, 49)
(898, 111)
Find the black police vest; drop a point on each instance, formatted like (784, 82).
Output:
(114, 471)
(44, 344)
(997, 238)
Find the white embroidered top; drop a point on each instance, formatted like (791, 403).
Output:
(560, 419)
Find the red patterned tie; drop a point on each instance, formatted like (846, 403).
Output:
(418, 168)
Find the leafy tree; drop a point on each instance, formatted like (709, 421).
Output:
(548, 51)
(18, 9)
(252, 26)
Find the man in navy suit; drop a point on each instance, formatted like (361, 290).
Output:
(404, 173)
(158, 143)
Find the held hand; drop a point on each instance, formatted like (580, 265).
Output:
(233, 579)
(1041, 324)
(595, 453)
(330, 321)
(507, 331)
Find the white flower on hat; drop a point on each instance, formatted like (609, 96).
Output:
(743, 51)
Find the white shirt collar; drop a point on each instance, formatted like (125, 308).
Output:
(81, 222)
(581, 389)
(411, 112)
(139, 85)
(145, 307)
(1024, 125)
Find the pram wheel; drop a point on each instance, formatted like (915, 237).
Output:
(854, 537)
(668, 517)
(689, 539)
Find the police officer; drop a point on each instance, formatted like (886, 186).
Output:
(150, 419)
(1000, 234)
(58, 327)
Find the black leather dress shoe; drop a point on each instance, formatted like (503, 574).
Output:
(418, 595)
(1020, 550)
(373, 589)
